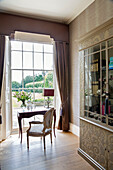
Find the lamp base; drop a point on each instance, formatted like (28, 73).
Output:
(48, 102)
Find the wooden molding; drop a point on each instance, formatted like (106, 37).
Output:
(90, 160)
(74, 129)
(100, 28)
(99, 124)
(97, 35)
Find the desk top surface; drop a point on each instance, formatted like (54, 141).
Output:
(37, 110)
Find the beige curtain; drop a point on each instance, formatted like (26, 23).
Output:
(2, 47)
(61, 67)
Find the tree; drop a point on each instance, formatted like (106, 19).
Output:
(28, 79)
(15, 84)
(49, 80)
(38, 78)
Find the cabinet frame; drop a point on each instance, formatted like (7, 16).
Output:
(86, 53)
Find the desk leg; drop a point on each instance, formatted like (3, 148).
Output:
(20, 128)
(54, 114)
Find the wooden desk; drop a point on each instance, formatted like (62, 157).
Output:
(28, 114)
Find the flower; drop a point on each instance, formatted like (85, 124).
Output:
(98, 91)
(22, 96)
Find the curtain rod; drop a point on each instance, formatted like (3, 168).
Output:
(3, 35)
(62, 41)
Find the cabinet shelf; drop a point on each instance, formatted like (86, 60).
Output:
(94, 62)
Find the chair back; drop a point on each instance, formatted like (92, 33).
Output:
(48, 117)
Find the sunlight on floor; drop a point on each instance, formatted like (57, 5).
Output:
(62, 154)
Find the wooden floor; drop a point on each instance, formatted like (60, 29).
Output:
(61, 155)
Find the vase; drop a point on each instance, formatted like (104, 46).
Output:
(23, 105)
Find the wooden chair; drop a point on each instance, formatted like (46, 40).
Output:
(41, 129)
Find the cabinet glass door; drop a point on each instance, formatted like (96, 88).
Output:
(94, 84)
(98, 82)
(103, 85)
(110, 81)
(86, 106)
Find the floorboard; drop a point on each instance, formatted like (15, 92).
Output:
(61, 155)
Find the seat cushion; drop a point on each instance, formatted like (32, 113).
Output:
(37, 130)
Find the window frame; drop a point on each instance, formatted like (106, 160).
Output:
(31, 69)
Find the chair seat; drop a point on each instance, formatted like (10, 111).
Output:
(41, 129)
(37, 130)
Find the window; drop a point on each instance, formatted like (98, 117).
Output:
(31, 70)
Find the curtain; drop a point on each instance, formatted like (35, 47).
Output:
(61, 68)
(2, 48)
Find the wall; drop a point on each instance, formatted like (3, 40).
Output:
(94, 16)
(11, 23)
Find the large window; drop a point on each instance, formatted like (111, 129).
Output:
(32, 71)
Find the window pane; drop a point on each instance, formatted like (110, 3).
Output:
(110, 73)
(48, 61)
(38, 60)
(39, 98)
(16, 79)
(38, 79)
(38, 47)
(16, 45)
(94, 83)
(86, 83)
(103, 82)
(103, 45)
(16, 59)
(51, 100)
(27, 46)
(48, 48)
(28, 79)
(103, 72)
(110, 43)
(48, 79)
(94, 49)
(86, 52)
(27, 60)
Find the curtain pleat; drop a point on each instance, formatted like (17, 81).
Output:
(2, 49)
(61, 67)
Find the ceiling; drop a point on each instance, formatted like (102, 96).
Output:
(63, 11)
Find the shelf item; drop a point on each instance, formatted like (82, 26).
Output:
(95, 89)
(94, 67)
(111, 63)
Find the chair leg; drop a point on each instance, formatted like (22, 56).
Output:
(27, 141)
(44, 141)
(51, 137)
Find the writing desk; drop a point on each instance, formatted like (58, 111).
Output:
(28, 114)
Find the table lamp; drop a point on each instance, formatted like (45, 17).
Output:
(48, 93)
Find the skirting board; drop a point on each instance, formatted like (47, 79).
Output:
(90, 160)
(74, 129)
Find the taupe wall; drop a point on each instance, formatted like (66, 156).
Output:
(94, 16)
(10, 23)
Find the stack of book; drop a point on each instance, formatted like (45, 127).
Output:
(111, 63)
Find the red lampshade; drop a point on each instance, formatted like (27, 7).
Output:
(48, 92)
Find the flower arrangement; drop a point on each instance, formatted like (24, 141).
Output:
(22, 96)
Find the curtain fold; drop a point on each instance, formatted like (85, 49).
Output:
(61, 68)
(2, 49)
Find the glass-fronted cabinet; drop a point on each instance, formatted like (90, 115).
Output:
(98, 82)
